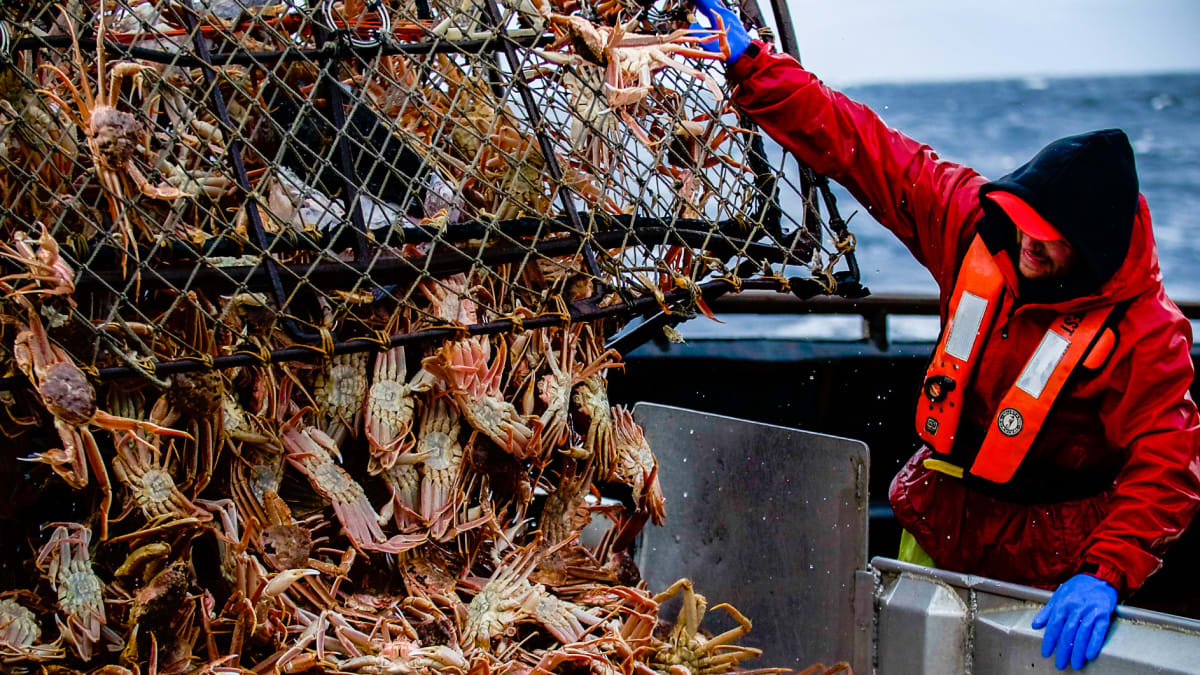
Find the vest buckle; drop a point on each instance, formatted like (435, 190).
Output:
(936, 387)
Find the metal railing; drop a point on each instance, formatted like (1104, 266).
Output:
(874, 309)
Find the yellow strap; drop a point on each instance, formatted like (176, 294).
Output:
(952, 470)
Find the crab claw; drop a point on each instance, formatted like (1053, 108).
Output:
(284, 580)
(723, 36)
(399, 543)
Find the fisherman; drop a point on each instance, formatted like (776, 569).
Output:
(1060, 440)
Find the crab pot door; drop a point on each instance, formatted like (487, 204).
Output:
(769, 519)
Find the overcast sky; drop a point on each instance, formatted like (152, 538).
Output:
(858, 41)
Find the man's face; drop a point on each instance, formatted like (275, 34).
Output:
(1044, 260)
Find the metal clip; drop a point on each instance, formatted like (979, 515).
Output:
(377, 35)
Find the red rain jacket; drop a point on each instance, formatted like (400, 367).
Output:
(1133, 418)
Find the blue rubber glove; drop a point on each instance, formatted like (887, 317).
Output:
(1076, 620)
(735, 32)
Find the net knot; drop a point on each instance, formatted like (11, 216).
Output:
(733, 280)
(560, 311)
(382, 338)
(259, 352)
(327, 342)
(846, 243)
(205, 361)
(460, 331)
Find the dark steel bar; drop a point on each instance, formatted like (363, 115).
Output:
(337, 113)
(414, 234)
(446, 260)
(234, 151)
(535, 116)
(770, 211)
(753, 302)
(758, 302)
(389, 48)
(758, 296)
(709, 289)
(787, 33)
(838, 225)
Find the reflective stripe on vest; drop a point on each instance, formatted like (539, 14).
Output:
(971, 315)
(1019, 417)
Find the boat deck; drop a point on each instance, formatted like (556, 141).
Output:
(862, 388)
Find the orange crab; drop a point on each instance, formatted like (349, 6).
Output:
(65, 391)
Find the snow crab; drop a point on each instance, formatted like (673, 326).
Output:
(476, 389)
(67, 565)
(636, 465)
(45, 266)
(19, 633)
(630, 59)
(389, 408)
(404, 481)
(688, 648)
(66, 393)
(565, 373)
(450, 300)
(114, 137)
(340, 394)
(440, 471)
(509, 598)
(152, 487)
(312, 451)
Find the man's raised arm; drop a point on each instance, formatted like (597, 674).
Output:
(928, 203)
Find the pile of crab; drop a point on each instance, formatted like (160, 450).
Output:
(412, 509)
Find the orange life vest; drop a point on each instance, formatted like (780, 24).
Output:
(978, 295)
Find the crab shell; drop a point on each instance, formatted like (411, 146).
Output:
(197, 394)
(67, 394)
(116, 135)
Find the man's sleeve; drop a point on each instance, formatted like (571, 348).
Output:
(1149, 411)
(928, 203)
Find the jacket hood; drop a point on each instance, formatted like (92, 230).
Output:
(1086, 186)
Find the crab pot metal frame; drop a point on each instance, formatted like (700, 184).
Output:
(450, 248)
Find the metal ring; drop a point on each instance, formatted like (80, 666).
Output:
(385, 25)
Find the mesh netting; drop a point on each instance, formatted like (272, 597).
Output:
(250, 181)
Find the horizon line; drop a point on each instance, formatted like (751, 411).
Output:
(1003, 77)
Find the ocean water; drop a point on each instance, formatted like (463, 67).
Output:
(995, 126)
